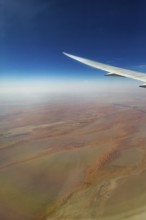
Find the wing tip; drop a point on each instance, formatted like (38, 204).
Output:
(70, 55)
(65, 53)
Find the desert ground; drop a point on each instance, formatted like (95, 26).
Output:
(69, 157)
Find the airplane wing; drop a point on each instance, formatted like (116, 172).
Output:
(112, 70)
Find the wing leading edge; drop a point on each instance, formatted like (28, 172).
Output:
(112, 70)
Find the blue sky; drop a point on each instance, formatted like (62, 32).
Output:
(33, 34)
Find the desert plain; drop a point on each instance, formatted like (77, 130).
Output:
(67, 157)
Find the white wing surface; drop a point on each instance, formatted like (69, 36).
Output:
(112, 70)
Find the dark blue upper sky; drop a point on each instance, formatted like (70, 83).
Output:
(33, 34)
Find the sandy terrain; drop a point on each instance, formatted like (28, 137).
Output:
(73, 158)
